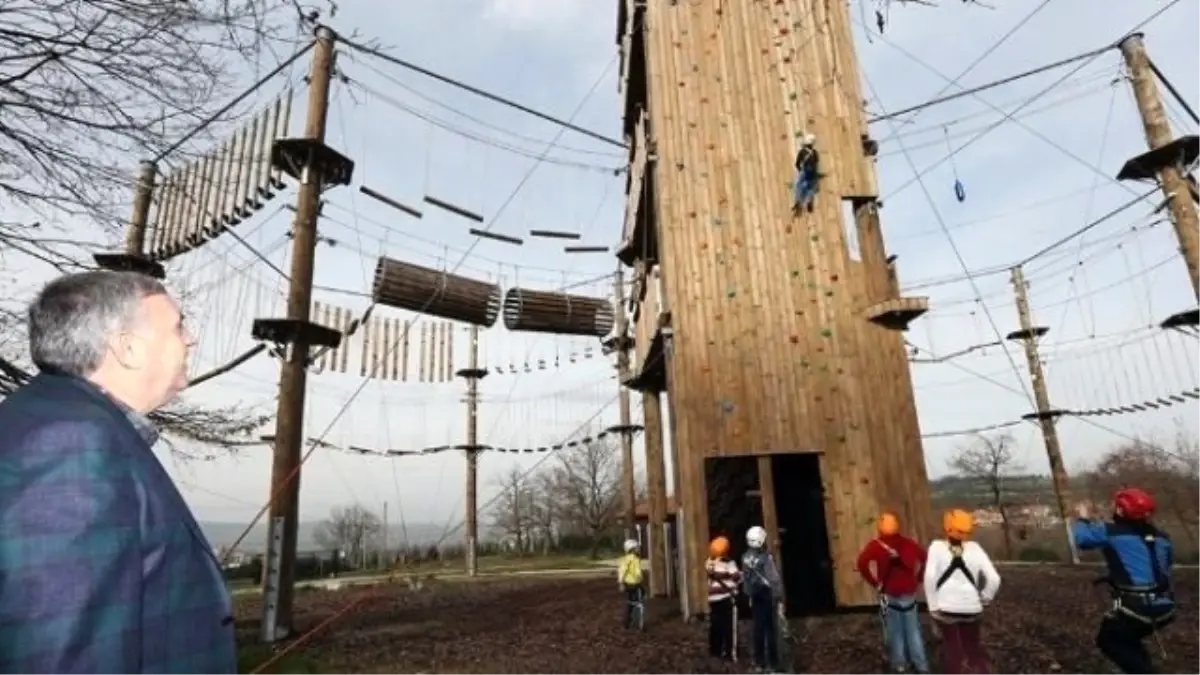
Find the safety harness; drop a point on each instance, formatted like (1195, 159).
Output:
(957, 564)
(1144, 595)
(894, 561)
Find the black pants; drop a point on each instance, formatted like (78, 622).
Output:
(1122, 640)
(632, 594)
(766, 633)
(720, 628)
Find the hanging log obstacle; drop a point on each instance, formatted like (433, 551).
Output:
(449, 296)
(558, 313)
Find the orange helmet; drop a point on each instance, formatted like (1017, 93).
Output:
(888, 523)
(958, 524)
(718, 548)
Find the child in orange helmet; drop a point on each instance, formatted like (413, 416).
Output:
(960, 581)
(723, 580)
(897, 562)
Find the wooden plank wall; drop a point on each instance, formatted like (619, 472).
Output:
(771, 351)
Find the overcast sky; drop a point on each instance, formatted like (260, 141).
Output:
(410, 136)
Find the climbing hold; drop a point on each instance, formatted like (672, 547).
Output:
(716, 220)
(815, 237)
(804, 363)
(960, 192)
(795, 274)
(826, 333)
(730, 293)
(833, 277)
(812, 285)
(727, 406)
(828, 293)
(793, 96)
(794, 339)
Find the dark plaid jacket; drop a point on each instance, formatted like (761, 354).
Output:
(103, 569)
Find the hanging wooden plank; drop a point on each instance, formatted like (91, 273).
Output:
(380, 197)
(281, 131)
(495, 236)
(367, 365)
(404, 340)
(554, 234)
(421, 354)
(450, 354)
(456, 210)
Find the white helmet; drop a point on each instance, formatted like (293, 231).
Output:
(631, 545)
(756, 537)
(809, 139)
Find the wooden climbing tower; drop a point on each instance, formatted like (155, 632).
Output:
(777, 337)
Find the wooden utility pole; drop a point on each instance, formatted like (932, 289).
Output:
(133, 259)
(289, 417)
(628, 489)
(1170, 173)
(143, 195)
(1045, 414)
(656, 491)
(473, 374)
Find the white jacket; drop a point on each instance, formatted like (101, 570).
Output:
(957, 595)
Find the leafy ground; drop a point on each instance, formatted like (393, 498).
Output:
(1043, 622)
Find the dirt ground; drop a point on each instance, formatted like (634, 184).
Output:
(1043, 621)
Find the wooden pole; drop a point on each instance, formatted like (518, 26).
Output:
(1058, 471)
(143, 193)
(289, 418)
(1158, 134)
(656, 491)
(473, 455)
(628, 489)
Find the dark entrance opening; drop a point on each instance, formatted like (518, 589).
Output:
(804, 538)
(733, 504)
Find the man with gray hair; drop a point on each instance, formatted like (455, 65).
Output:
(103, 568)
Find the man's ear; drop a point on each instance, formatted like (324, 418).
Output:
(129, 349)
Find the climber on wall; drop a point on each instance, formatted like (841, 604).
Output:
(723, 580)
(960, 581)
(808, 174)
(1139, 557)
(898, 562)
(764, 589)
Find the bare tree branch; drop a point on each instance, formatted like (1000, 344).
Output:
(990, 461)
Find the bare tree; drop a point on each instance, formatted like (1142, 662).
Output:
(587, 484)
(544, 512)
(350, 529)
(990, 461)
(1167, 471)
(88, 87)
(512, 512)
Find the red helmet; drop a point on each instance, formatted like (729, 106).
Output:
(1134, 503)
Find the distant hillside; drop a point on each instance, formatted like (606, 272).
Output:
(968, 493)
(224, 534)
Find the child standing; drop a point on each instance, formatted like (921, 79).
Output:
(764, 588)
(723, 580)
(629, 578)
(897, 562)
(960, 581)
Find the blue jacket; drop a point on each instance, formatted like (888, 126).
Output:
(103, 569)
(1139, 556)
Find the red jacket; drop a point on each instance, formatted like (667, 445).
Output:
(899, 563)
